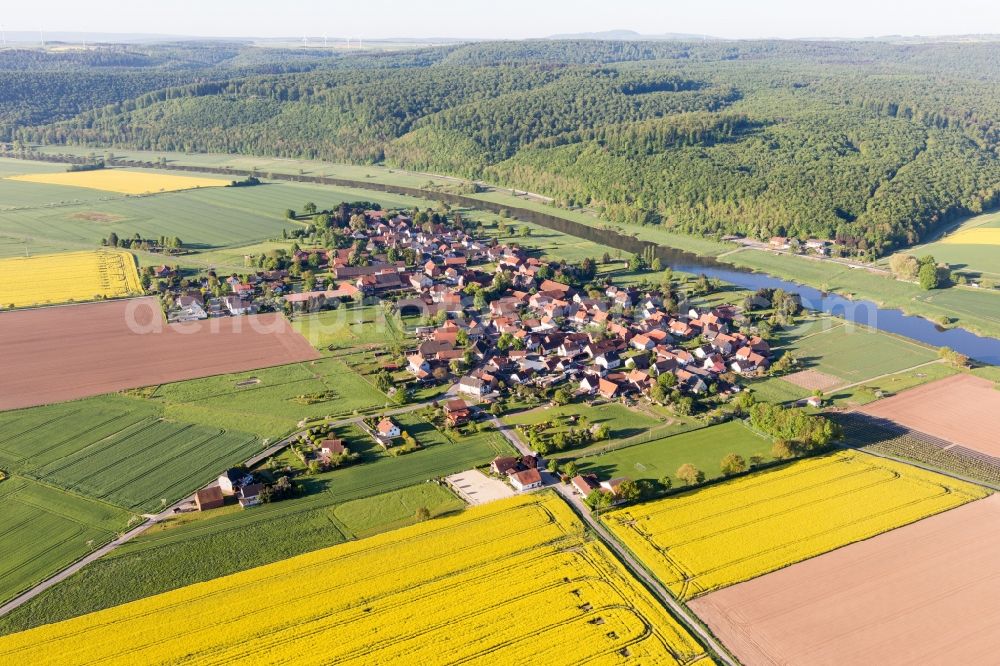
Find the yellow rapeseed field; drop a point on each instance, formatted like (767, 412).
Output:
(515, 581)
(706, 539)
(975, 236)
(122, 181)
(67, 276)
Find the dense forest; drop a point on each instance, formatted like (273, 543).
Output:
(874, 144)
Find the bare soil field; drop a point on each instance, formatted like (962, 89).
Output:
(927, 593)
(962, 409)
(97, 216)
(813, 379)
(63, 353)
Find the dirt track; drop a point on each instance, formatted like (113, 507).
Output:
(63, 353)
(927, 593)
(962, 409)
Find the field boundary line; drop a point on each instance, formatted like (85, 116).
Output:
(888, 374)
(927, 467)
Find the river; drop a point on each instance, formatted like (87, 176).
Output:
(980, 348)
(890, 320)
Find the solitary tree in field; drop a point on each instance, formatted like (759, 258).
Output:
(928, 277)
(783, 449)
(690, 474)
(733, 463)
(423, 513)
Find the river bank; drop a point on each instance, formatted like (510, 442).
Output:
(857, 295)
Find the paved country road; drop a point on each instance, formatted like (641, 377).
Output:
(574, 500)
(679, 611)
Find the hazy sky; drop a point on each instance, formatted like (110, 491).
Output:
(506, 18)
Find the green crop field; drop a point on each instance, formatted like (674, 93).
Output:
(56, 217)
(703, 448)
(980, 258)
(44, 529)
(141, 452)
(271, 401)
(265, 165)
(349, 326)
(223, 542)
(978, 310)
(366, 516)
(118, 450)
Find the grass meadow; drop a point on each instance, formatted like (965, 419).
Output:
(704, 448)
(978, 310)
(621, 421)
(273, 405)
(851, 352)
(350, 327)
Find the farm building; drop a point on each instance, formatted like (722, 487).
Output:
(387, 429)
(500, 466)
(249, 495)
(526, 480)
(332, 447)
(613, 485)
(233, 479)
(585, 484)
(209, 498)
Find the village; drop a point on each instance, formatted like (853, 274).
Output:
(491, 321)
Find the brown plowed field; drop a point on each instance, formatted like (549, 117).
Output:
(927, 593)
(961, 409)
(813, 379)
(62, 353)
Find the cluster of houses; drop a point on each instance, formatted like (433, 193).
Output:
(522, 473)
(544, 333)
(535, 330)
(244, 295)
(815, 245)
(443, 255)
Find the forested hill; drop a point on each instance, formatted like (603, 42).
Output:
(873, 143)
